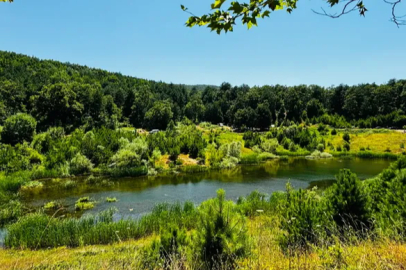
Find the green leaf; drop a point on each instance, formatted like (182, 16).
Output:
(217, 4)
(183, 7)
(266, 14)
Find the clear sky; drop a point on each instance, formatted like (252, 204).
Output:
(148, 39)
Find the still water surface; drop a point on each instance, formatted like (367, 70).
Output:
(138, 195)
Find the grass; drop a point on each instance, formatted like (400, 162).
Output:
(193, 169)
(249, 158)
(42, 231)
(377, 142)
(229, 137)
(124, 172)
(266, 254)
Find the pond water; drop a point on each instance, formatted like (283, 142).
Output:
(138, 195)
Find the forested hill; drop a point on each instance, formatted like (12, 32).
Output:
(69, 95)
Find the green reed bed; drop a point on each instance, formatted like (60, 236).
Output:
(366, 154)
(249, 159)
(193, 169)
(42, 231)
(124, 172)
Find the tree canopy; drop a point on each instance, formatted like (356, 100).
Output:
(72, 96)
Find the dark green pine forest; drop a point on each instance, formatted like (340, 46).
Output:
(72, 96)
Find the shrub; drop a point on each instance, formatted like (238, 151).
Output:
(173, 241)
(320, 147)
(250, 205)
(222, 236)
(292, 147)
(339, 149)
(80, 164)
(266, 156)
(349, 203)
(228, 163)
(347, 147)
(18, 128)
(302, 219)
(11, 209)
(402, 145)
(269, 145)
(346, 137)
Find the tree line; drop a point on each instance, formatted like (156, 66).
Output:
(72, 96)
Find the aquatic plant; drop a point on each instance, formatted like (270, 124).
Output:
(111, 200)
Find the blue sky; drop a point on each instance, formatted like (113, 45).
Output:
(148, 39)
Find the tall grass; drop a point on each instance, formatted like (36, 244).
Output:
(42, 231)
(249, 159)
(124, 172)
(366, 154)
(193, 169)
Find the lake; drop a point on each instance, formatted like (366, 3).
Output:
(138, 195)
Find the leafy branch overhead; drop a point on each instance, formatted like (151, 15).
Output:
(225, 18)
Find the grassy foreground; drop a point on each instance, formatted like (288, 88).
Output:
(266, 254)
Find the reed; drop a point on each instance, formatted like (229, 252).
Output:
(39, 230)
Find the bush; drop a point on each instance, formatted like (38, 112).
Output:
(303, 219)
(347, 147)
(346, 137)
(320, 147)
(266, 156)
(18, 128)
(80, 164)
(222, 236)
(269, 145)
(292, 147)
(349, 203)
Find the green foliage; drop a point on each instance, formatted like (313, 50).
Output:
(159, 116)
(346, 137)
(222, 234)
(349, 202)
(303, 219)
(111, 200)
(84, 203)
(320, 147)
(18, 128)
(253, 204)
(347, 146)
(251, 139)
(80, 164)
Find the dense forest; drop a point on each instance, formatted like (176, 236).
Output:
(71, 96)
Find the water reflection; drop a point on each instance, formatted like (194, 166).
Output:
(141, 193)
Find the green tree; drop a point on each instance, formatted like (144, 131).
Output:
(223, 233)
(348, 201)
(159, 115)
(57, 105)
(18, 128)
